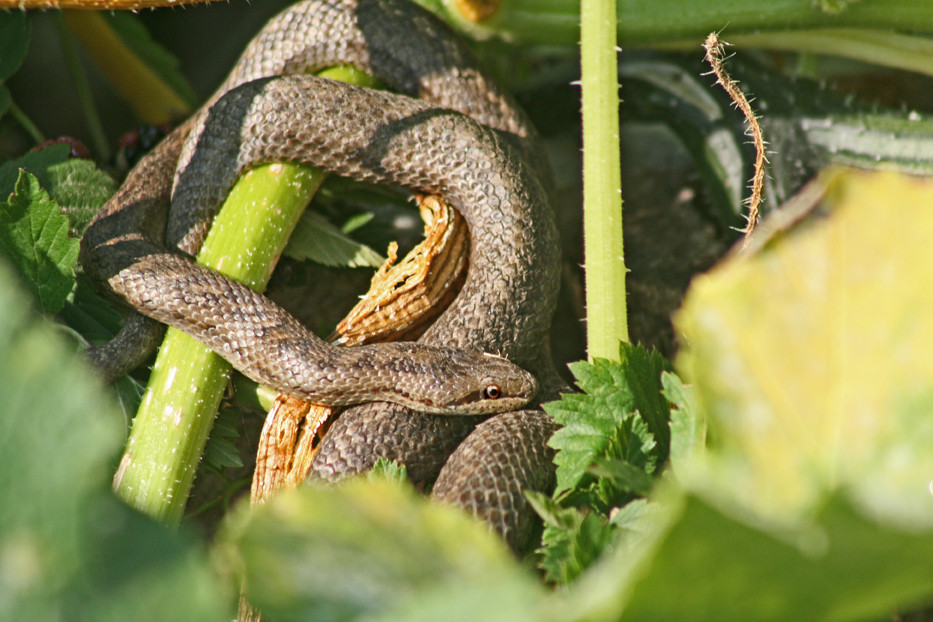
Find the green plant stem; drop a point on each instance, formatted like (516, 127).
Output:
(85, 98)
(188, 380)
(26, 123)
(863, 30)
(606, 316)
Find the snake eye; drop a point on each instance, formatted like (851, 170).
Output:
(492, 392)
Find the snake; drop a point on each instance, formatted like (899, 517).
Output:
(447, 129)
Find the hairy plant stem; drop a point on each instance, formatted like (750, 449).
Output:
(189, 380)
(606, 315)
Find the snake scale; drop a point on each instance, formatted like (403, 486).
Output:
(448, 130)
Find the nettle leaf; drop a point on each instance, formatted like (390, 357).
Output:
(572, 539)
(76, 184)
(36, 162)
(621, 418)
(80, 189)
(688, 427)
(315, 238)
(389, 470)
(34, 236)
(15, 31)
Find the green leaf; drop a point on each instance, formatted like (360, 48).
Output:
(36, 162)
(620, 417)
(703, 563)
(69, 550)
(355, 222)
(15, 31)
(811, 359)
(572, 539)
(80, 189)
(221, 451)
(34, 235)
(643, 370)
(623, 476)
(76, 184)
(89, 313)
(5, 100)
(688, 428)
(135, 36)
(318, 240)
(361, 549)
(389, 470)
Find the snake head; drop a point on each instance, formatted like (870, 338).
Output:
(482, 384)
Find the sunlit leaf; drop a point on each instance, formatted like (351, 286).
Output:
(812, 359)
(34, 236)
(318, 240)
(620, 416)
(704, 564)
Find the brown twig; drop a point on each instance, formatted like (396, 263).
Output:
(714, 56)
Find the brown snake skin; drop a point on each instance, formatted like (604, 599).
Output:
(464, 139)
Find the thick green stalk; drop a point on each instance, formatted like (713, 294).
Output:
(606, 315)
(188, 380)
(684, 24)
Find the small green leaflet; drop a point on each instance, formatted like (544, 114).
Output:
(34, 236)
(617, 426)
(76, 184)
(572, 539)
(389, 470)
(318, 240)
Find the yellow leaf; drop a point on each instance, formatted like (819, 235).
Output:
(813, 358)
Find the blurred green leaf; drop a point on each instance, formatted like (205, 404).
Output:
(5, 100)
(68, 550)
(36, 162)
(811, 359)
(34, 236)
(361, 550)
(135, 36)
(15, 30)
(703, 563)
(315, 238)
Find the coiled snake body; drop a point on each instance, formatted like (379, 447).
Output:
(462, 138)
